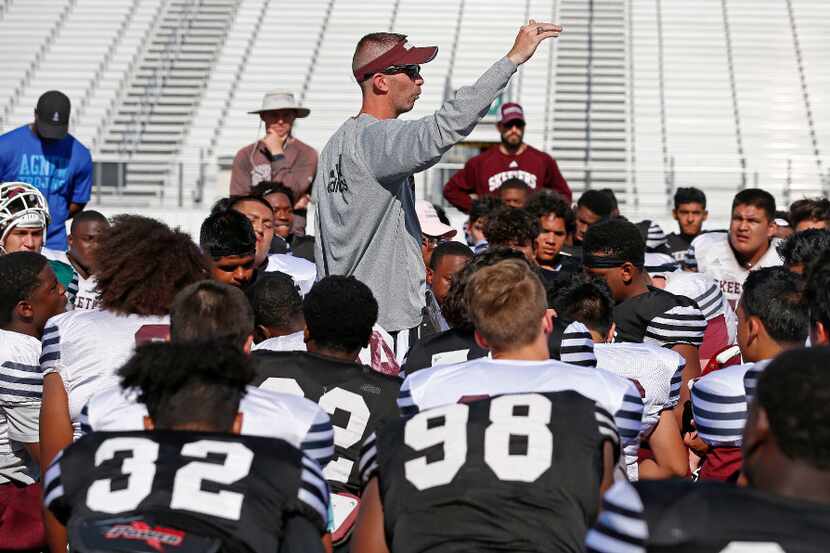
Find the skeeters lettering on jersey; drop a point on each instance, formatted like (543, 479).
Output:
(356, 398)
(498, 179)
(456, 346)
(706, 517)
(238, 488)
(720, 403)
(21, 389)
(445, 385)
(522, 471)
(268, 414)
(712, 254)
(661, 318)
(86, 348)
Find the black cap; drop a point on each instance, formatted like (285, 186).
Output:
(52, 113)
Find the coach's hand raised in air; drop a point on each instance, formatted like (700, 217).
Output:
(529, 38)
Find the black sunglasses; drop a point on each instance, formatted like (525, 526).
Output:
(413, 71)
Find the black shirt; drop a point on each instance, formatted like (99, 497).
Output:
(659, 317)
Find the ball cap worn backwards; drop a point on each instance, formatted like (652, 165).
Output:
(403, 53)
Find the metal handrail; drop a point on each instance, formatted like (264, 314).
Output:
(448, 90)
(734, 89)
(316, 53)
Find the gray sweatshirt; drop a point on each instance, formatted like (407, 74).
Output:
(364, 195)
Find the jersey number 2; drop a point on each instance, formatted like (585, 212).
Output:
(188, 493)
(426, 430)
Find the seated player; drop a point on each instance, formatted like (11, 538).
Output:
(786, 446)
(818, 298)
(557, 224)
(278, 313)
(802, 248)
(513, 473)
(508, 308)
(286, 239)
(459, 343)
(773, 316)
(261, 215)
(615, 251)
(253, 494)
(29, 295)
(748, 246)
(339, 315)
(810, 213)
(227, 238)
(141, 265)
(479, 214)
(656, 370)
(690, 213)
(220, 313)
(514, 193)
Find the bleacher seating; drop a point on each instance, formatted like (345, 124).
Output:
(667, 108)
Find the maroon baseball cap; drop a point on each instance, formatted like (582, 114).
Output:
(511, 111)
(403, 53)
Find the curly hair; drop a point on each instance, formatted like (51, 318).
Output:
(454, 308)
(483, 207)
(142, 264)
(510, 225)
(186, 383)
(617, 238)
(802, 248)
(340, 312)
(588, 300)
(546, 202)
(794, 390)
(818, 290)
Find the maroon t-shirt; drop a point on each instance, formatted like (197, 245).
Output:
(486, 172)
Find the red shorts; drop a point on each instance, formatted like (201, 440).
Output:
(722, 463)
(21, 518)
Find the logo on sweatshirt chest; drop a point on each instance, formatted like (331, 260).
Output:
(498, 179)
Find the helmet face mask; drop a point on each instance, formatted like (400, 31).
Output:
(21, 205)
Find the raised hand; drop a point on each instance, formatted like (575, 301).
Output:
(529, 38)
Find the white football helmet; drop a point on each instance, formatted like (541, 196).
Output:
(21, 205)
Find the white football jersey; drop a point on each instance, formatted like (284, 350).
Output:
(448, 384)
(265, 413)
(80, 291)
(86, 348)
(21, 388)
(720, 404)
(289, 342)
(712, 255)
(301, 270)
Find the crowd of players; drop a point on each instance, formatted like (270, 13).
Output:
(155, 391)
(577, 381)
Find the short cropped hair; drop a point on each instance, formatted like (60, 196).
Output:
(802, 248)
(597, 202)
(227, 233)
(776, 296)
(616, 238)
(275, 299)
(756, 197)
(810, 209)
(187, 383)
(794, 390)
(455, 309)
(210, 310)
(509, 225)
(87, 216)
(448, 248)
(233, 201)
(689, 195)
(266, 188)
(586, 300)
(506, 302)
(545, 203)
(514, 184)
(19, 272)
(340, 312)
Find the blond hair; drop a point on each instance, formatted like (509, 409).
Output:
(506, 302)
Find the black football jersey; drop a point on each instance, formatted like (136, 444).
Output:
(517, 472)
(679, 516)
(678, 245)
(660, 318)
(237, 489)
(356, 398)
(456, 346)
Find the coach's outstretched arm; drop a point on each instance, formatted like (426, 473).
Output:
(401, 148)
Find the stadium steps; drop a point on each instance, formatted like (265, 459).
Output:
(151, 122)
(590, 106)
